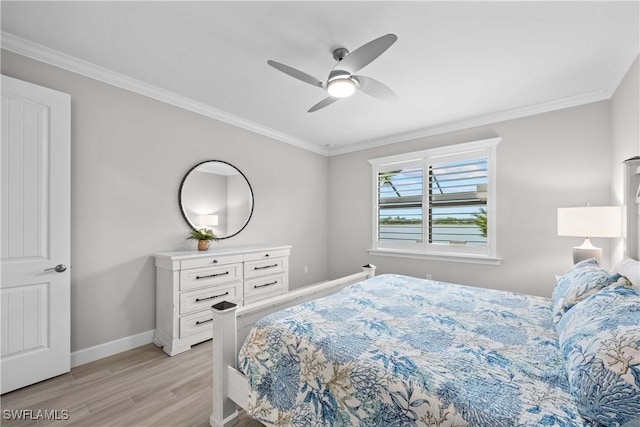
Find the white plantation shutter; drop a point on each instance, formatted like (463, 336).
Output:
(400, 194)
(437, 201)
(458, 202)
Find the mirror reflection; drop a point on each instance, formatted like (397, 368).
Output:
(216, 195)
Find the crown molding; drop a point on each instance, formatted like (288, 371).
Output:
(58, 59)
(517, 113)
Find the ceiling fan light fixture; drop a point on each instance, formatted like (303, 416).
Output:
(341, 87)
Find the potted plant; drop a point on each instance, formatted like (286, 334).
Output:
(203, 235)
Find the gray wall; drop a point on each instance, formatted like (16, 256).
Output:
(544, 162)
(129, 154)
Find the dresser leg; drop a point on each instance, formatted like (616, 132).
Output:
(169, 346)
(176, 348)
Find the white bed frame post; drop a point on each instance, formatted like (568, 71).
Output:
(631, 208)
(224, 354)
(369, 270)
(230, 327)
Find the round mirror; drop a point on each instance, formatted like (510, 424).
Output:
(216, 195)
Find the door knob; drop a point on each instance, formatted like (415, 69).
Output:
(60, 268)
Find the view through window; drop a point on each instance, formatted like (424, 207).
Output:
(457, 203)
(437, 201)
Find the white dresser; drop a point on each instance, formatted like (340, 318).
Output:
(188, 283)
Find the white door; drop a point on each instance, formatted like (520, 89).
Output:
(35, 189)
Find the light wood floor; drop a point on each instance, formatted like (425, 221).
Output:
(140, 387)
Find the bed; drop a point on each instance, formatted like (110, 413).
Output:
(392, 350)
(396, 351)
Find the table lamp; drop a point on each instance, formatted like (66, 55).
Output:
(589, 221)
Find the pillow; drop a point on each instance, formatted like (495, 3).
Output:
(630, 268)
(600, 343)
(583, 279)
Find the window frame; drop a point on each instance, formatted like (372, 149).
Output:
(485, 148)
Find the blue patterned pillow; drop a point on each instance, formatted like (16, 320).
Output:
(600, 342)
(583, 279)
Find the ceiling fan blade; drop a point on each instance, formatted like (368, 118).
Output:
(327, 101)
(376, 89)
(366, 53)
(296, 73)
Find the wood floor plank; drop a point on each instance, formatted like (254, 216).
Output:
(144, 382)
(75, 413)
(38, 391)
(105, 416)
(86, 392)
(138, 388)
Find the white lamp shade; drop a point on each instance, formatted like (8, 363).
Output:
(590, 221)
(209, 219)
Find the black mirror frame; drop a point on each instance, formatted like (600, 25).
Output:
(184, 214)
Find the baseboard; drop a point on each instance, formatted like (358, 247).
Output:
(110, 348)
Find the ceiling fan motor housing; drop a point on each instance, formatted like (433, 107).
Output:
(339, 74)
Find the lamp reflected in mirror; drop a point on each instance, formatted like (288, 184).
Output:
(215, 195)
(208, 221)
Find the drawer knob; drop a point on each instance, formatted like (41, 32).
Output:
(215, 261)
(266, 255)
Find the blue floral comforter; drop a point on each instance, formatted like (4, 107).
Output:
(401, 351)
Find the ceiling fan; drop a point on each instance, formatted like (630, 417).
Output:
(342, 82)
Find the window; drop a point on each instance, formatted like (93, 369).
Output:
(437, 203)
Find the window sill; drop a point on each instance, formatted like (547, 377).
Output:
(467, 258)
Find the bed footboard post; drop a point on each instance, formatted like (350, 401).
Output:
(224, 353)
(370, 270)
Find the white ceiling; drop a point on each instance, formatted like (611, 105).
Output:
(455, 64)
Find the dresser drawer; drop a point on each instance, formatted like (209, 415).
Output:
(196, 323)
(263, 267)
(204, 298)
(265, 285)
(201, 277)
(210, 261)
(256, 256)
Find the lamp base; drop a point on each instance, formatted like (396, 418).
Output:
(585, 251)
